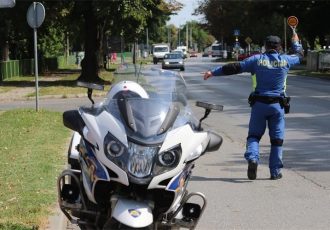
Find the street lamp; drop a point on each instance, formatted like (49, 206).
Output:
(179, 36)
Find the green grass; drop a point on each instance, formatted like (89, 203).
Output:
(5, 89)
(32, 147)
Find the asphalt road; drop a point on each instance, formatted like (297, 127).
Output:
(300, 200)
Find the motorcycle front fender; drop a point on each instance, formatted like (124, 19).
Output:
(132, 213)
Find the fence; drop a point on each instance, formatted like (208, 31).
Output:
(324, 60)
(318, 60)
(14, 68)
(25, 67)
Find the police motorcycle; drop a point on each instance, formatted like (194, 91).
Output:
(131, 156)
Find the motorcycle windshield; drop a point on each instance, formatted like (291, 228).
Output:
(148, 102)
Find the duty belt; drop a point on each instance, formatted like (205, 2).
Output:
(267, 100)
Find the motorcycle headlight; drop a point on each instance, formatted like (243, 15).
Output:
(141, 159)
(167, 160)
(114, 150)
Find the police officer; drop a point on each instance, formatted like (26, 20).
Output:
(268, 101)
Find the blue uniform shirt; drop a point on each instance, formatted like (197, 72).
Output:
(270, 68)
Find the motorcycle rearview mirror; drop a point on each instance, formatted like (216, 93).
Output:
(208, 107)
(73, 121)
(90, 87)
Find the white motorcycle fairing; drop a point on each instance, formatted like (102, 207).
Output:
(132, 213)
(132, 155)
(190, 141)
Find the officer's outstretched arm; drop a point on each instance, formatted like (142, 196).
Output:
(228, 69)
(296, 46)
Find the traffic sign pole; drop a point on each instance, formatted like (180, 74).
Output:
(35, 17)
(36, 67)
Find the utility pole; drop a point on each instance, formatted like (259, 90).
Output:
(179, 37)
(169, 36)
(147, 34)
(187, 36)
(67, 53)
(285, 41)
(191, 42)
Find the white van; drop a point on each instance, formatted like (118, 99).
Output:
(218, 52)
(183, 49)
(159, 51)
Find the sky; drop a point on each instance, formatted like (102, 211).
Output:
(184, 14)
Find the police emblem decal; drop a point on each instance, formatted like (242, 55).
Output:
(135, 213)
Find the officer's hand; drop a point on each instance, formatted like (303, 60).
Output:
(207, 75)
(295, 38)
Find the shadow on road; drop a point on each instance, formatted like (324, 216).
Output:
(229, 180)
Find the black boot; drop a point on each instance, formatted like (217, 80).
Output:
(277, 177)
(252, 170)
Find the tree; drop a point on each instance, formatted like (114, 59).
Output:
(258, 19)
(86, 22)
(125, 18)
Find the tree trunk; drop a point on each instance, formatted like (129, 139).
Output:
(89, 65)
(5, 51)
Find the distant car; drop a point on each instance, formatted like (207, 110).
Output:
(193, 54)
(205, 54)
(173, 61)
(183, 49)
(179, 52)
(243, 56)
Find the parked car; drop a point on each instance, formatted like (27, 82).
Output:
(173, 61)
(206, 54)
(193, 54)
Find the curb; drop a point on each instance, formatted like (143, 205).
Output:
(57, 221)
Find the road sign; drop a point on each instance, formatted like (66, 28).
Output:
(248, 40)
(35, 15)
(236, 32)
(292, 21)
